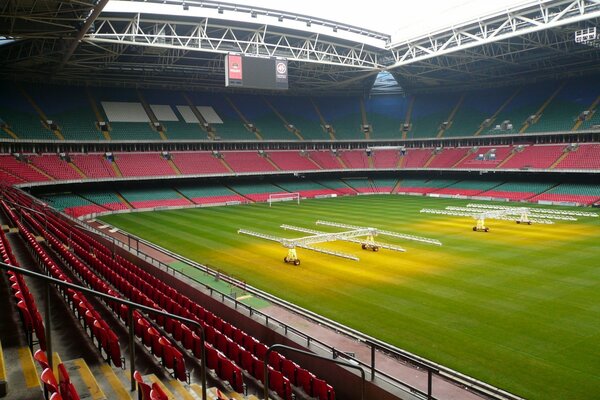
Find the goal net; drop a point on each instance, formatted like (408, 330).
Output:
(276, 197)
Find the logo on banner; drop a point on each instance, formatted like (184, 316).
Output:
(281, 68)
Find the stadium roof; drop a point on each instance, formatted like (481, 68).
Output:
(182, 43)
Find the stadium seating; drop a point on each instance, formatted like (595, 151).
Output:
(485, 157)
(21, 169)
(428, 114)
(535, 157)
(571, 193)
(143, 164)
(448, 157)
(107, 200)
(210, 194)
(468, 188)
(423, 185)
(385, 115)
(292, 161)
(475, 109)
(247, 161)
(416, 158)
(354, 159)
(256, 191)
(306, 188)
(517, 191)
(343, 114)
(93, 166)
(72, 204)
(69, 109)
(586, 156)
(384, 159)
(338, 185)
(52, 165)
(200, 162)
(325, 159)
(299, 112)
(156, 197)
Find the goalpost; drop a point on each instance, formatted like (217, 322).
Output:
(275, 197)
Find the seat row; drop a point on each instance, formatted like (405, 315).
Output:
(53, 389)
(227, 346)
(28, 311)
(95, 325)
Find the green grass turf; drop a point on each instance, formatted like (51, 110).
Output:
(518, 307)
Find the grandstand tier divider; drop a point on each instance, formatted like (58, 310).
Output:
(324, 123)
(99, 118)
(201, 121)
(592, 111)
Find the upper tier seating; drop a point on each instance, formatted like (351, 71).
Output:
(292, 161)
(143, 164)
(69, 108)
(93, 165)
(385, 115)
(587, 156)
(428, 114)
(325, 159)
(538, 157)
(343, 114)
(52, 165)
(247, 161)
(525, 104)
(198, 162)
(475, 109)
(21, 169)
(416, 158)
(485, 157)
(385, 158)
(299, 111)
(354, 159)
(448, 158)
(26, 110)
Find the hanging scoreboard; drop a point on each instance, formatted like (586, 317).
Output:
(256, 72)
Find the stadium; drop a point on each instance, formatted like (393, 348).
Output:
(216, 200)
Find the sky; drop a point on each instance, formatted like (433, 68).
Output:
(398, 18)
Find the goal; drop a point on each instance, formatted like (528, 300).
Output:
(275, 197)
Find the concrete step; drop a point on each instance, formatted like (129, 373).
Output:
(84, 380)
(22, 377)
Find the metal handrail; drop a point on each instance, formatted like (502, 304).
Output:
(131, 305)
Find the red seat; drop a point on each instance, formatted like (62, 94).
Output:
(211, 357)
(157, 393)
(247, 361)
(49, 381)
(143, 388)
(275, 360)
(304, 379)
(56, 396)
(187, 338)
(322, 390)
(289, 369)
(42, 360)
(280, 384)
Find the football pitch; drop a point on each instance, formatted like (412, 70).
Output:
(517, 307)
